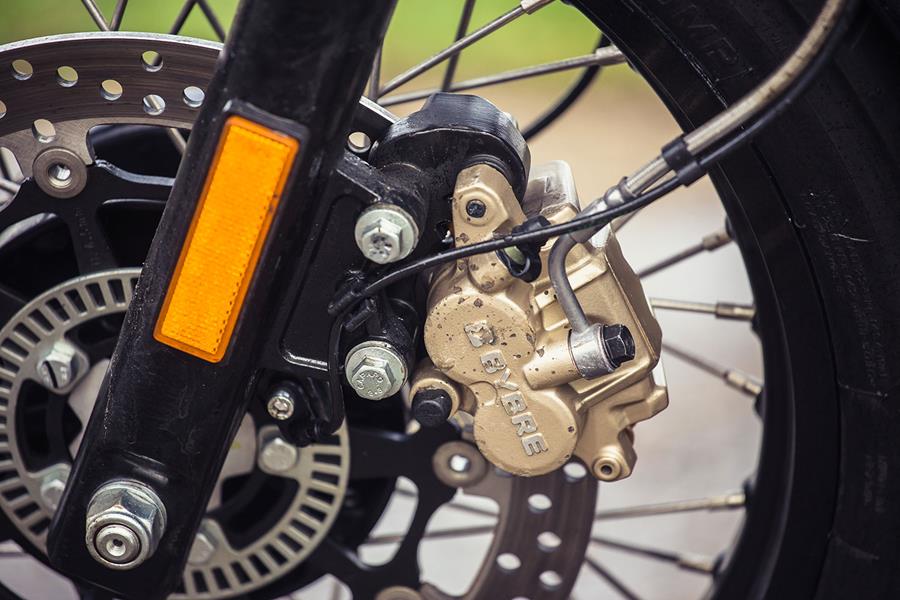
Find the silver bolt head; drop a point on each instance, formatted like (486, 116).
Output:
(381, 242)
(278, 456)
(281, 406)
(58, 368)
(202, 549)
(386, 234)
(52, 487)
(375, 370)
(372, 378)
(119, 512)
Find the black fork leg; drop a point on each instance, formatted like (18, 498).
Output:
(166, 418)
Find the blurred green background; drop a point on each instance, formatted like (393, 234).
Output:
(419, 28)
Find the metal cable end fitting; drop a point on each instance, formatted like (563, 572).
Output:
(375, 370)
(601, 349)
(125, 521)
(386, 233)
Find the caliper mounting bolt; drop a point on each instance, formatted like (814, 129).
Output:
(125, 521)
(431, 407)
(375, 370)
(386, 233)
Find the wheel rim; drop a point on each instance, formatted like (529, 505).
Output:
(773, 360)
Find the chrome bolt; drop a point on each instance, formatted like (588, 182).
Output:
(52, 487)
(58, 368)
(125, 521)
(375, 370)
(202, 549)
(281, 405)
(278, 456)
(386, 233)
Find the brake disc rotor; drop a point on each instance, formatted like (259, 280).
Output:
(63, 87)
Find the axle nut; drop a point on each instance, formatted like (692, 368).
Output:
(125, 521)
(375, 370)
(386, 233)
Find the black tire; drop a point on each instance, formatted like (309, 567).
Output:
(815, 205)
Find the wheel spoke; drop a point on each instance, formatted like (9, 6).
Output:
(464, 20)
(115, 23)
(375, 77)
(602, 57)
(722, 310)
(212, 18)
(177, 139)
(611, 579)
(742, 382)
(709, 243)
(524, 8)
(713, 503)
(182, 17)
(688, 562)
(96, 15)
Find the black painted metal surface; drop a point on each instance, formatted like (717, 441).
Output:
(166, 418)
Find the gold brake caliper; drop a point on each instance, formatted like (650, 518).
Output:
(499, 346)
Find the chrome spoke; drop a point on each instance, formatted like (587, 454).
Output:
(732, 501)
(602, 57)
(742, 382)
(524, 8)
(464, 20)
(611, 579)
(115, 23)
(182, 17)
(96, 15)
(375, 77)
(689, 562)
(212, 18)
(709, 243)
(722, 310)
(177, 139)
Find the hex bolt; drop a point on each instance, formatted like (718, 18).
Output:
(202, 549)
(375, 370)
(619, 344)
(52, 487)
(125, 521)
(277, 455)
(281, 404)
(431, 407)
(476, 209)
(58, 367)
(386, 233)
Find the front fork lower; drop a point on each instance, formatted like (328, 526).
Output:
(165, 417)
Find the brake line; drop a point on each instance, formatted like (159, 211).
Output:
(687, 158)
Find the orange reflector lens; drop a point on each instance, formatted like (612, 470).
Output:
(223, 245)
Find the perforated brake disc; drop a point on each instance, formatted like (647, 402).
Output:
(58, 89)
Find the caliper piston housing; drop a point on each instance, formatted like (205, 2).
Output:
(499, 345)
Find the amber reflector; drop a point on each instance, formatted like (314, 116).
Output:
(227, 234)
